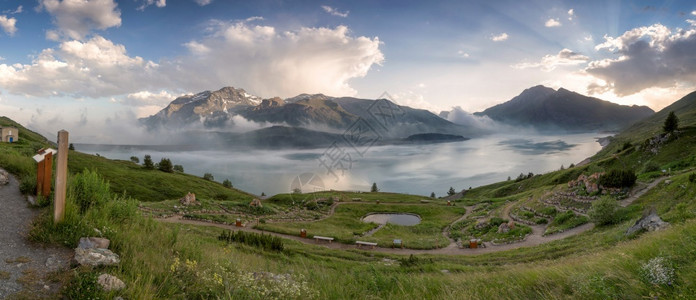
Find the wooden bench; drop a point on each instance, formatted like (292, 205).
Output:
(323, 238)
(361, 243)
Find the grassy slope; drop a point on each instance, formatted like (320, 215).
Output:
(602, 263)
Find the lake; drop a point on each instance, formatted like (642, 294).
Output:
(412, 169)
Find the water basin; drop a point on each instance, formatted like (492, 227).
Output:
(394, 218)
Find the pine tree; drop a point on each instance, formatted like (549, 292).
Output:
(451, 191)
(165, 165)
(374, 188)
(227, 183)
(147, 162)
(671, 123)
(432, 195)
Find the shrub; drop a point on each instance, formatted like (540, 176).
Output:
(165, 165)
(27, 185)
(671, 122)
(548, 210)
(495, 221)
(147, 162)
(312, 205)
(692, 177)
(135, 159)
(83, 285)
(651, 167)
(263, 241)
(179, 168)
(604, 211)
(208, 176)
(89, 189)
(618, 178)
(541, 221)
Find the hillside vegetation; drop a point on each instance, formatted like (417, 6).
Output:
(177, 261)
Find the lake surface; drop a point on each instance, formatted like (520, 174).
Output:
(398, 219)
(413, 169)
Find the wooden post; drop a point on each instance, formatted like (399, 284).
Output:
(40, 170)
(48, 174)
(61, 177)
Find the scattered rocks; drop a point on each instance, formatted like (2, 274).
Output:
(110, 283)
(96, 257)
(189, 199)
(649, 222)
(93, 242)
(481, 225)
(4, 177)
(589, 182)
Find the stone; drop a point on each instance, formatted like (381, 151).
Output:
(110, 282)
(511, 225)
(4, 177)
(649, 222)
(189, 199)
(255, 203)
(96, 257)
(53, 263)
(503, 228)
(481, 225)
(93, 242)
(32, 200)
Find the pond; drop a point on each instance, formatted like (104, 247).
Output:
(403, 219)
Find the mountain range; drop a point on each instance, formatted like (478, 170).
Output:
(548, 109)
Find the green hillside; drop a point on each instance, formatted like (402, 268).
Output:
(187, 261)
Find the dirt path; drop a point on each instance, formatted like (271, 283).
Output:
(23, 266)
(639, 193)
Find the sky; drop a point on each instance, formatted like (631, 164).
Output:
(95, 65)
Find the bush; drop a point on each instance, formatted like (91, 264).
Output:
(651, 167)
(27, 185)
(179, 168)
(165, 165)
(618, 178)
(548, 210)
(604, 211)
(692, 177)
(227, 183)
(208, 176)
(263, 241)
(147, 162)
(135, 159)
(89, 189)
(495, 221)
(671, 122)
(83, 285)
(312, 205)
(658, 271)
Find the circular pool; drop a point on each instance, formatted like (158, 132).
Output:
(403, 219)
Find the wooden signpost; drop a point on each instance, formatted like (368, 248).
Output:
(61, 177)
(44, 170)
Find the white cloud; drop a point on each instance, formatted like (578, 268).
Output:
(414, 100)
(8, 25)
(94, 68)
(552, 23)
(693, 12)
(18, 10)
(571, 14)
(565, 57)
(203, 2)
(501, 37)
(691, 22)
(652, 56)
(269, 62)
(335, 12)
(158, 3)
(76, 18)
(463, 54)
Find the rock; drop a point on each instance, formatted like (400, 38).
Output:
(649, 222)
(110, 283)
(511, 225)
(503, 228)
(481, 225)
(32, 200)
(93, 242)
(96, 257)
(53, 263)
(4, 177)
(255, 203)
(189, 199)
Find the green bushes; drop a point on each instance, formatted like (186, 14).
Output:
(604, 211)
(27, 185)
(263, 241)
(89, 189)
(618, 178)
(165, 165)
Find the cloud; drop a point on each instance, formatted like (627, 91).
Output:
(414, 100)
(8, 25)
(203, 2)
(335, 12)
(146, 3)
(693, 12)
(76, 18)
(270, 62)
(463, 54)
(565, 57)
(652, 56)
(94, 68)
(552, 23)
(571, 14)
(459, 116)
(501, 37)
(14, 12)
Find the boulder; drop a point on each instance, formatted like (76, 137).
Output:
(93, 242)
(110, 283)
(503, 228)
(4, 177)
(189, 199)
(96, 257)
(255, 203)
(649, 222)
